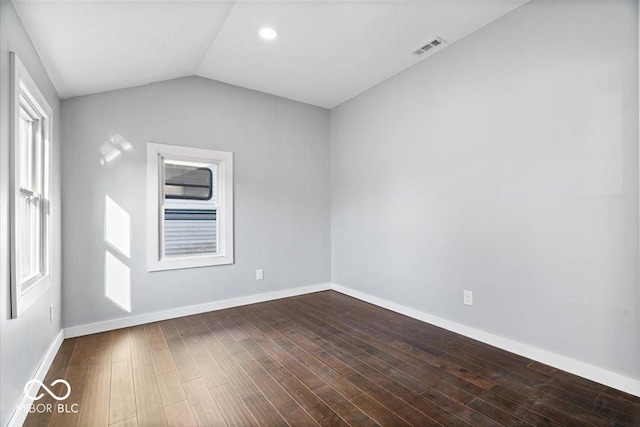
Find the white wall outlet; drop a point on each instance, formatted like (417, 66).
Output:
(259, 274)
(51, 313)
(467, 297)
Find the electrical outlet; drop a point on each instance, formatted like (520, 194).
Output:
(467, 297)
(259, 274)
(51, 313)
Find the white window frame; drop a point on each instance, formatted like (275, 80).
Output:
(26, 293)
(156, 153)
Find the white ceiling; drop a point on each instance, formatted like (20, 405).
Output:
(327, 52)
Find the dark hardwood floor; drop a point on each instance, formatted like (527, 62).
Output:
(321, 359)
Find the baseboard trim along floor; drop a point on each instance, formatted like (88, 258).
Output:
(573, 366)
(125, 322)
(21, 411)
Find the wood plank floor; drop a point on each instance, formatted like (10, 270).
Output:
(320, 359)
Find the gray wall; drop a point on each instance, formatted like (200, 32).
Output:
(25, 340)
(506, 164)
(281, 168)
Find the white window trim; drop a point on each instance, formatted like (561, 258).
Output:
(155, 184)
(22, 83)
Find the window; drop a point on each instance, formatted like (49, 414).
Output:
(30, 145)
(190, 207)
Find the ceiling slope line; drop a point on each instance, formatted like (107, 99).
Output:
(213, 39)
(448, 44)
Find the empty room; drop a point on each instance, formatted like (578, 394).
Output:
(319, 213)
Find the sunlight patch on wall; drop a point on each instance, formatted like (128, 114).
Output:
(117, 281)
(117, 236)
(114, 145)
(117, 227)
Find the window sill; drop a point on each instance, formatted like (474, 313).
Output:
(189, 262)
(40, 286)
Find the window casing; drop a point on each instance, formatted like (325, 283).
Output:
(190, 207)
(30, 180)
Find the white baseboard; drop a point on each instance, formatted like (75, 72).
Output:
(125, 322)
(576, 367)
(20, 414)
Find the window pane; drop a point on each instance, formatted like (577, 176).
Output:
(27, 152)
(190, 231)
(29, 235)
(189, 182)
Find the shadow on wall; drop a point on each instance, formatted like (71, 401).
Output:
(117, 235)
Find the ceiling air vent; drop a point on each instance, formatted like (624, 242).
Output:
(433, 43)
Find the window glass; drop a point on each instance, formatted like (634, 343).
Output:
(26, 150)
(190, 231)
(188, 181)
(190, 214)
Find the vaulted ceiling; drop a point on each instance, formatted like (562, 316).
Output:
(327, 50)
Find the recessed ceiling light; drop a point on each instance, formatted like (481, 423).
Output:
(268, 33)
